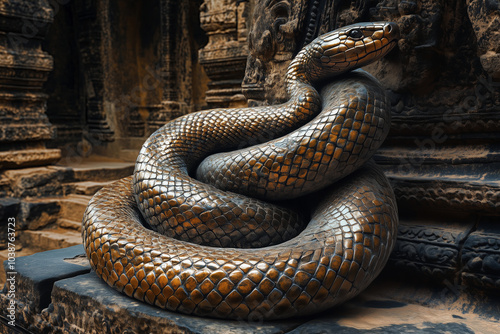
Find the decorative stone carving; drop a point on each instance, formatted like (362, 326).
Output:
(273, 43)
(430, 249)
(481, 260)
(224, 57)
(24, 68)
(485, 18)
(90, 15)
(181, 77)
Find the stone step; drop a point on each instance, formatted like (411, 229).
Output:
(50, 180)
(100, 171)
(69, 224)
(85, 187)
(4, 255)
(129, 155)
(38, 213)
(73, 206)
(50, 239)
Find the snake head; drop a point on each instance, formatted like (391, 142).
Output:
(351, 47)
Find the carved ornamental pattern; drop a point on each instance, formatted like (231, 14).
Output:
(224, 57)
(24, 68)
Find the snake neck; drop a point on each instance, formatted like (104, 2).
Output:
(304, 99)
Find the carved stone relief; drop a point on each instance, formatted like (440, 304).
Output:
(90, 16)
(273, 42)
(180, 72)
(224, 57)
(24, 68)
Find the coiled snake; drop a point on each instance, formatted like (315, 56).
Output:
(296, 269)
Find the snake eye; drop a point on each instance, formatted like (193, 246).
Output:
(355, 34)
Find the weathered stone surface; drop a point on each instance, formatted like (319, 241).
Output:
(28, 158)
(276, 28)
(84, 187)
(376, 315)
(73, 206)
(481, 256)
(9, 208)
(49, 238)
(95, 171)
(48, 202)
(37, 181)
(90, 38)
(69, 224)
(24, 68)
(37, 213)
(34, 278)
(224, 57)
(485, 18)
(429, 249)
(181, 72)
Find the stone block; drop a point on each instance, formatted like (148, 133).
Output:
(70, 224)
(35, 276)
(429, 250)
(481, 256)
(98, 171)
(38, 213)
(50, 239)
(83, 188)
(73, 207)
(9, 208)
(28, 158)
(35, 182)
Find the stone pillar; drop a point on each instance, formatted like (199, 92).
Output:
(224, 57)
(90, 29)
(180, 74)
(24, 67)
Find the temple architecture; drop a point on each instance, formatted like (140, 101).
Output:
(84, 82)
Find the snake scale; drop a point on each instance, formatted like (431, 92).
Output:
(208, 225)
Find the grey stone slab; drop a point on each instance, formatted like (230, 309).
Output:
(36, 274)
(88, 303)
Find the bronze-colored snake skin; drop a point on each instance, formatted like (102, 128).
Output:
(298, 267)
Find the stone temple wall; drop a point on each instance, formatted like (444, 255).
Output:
(87, 77)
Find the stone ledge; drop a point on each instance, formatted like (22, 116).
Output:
(29, 158)
(35, 274)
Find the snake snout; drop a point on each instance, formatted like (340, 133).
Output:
(391, 31)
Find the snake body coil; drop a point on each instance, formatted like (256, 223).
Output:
(298, 268)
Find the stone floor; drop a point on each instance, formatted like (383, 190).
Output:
(57, 293)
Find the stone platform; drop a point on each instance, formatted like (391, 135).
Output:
(56, 292)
